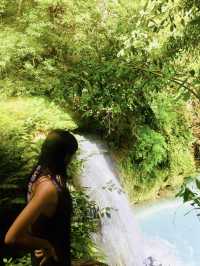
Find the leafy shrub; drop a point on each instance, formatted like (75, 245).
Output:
(24, 261)
(114, 64)
(161, 157)
(23, 125)
(85, 221)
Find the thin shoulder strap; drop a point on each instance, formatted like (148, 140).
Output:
(35, 175)
(32, 180)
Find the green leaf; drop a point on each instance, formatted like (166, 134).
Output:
(192, 72)
(197, 183)
(188, 195)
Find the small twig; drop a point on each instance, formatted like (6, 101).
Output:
(175, 80)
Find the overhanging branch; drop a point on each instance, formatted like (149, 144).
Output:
(182, 83)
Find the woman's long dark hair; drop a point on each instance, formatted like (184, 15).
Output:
(56, 152)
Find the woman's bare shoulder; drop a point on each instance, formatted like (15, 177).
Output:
(44, 185)
(45, 195)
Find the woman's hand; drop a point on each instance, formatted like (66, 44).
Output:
(45, 254)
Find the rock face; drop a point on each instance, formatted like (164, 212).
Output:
(88, 263)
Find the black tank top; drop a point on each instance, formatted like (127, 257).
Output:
(56, 229)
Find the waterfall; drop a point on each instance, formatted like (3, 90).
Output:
(120, 238)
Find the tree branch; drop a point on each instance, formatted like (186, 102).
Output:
(180, 82)
(19, 7)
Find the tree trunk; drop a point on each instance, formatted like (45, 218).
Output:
(19, 7)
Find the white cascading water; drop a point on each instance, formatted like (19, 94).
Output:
(120, 238)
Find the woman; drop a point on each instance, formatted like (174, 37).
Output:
(43, 227)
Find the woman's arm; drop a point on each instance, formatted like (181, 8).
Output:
(17, 234)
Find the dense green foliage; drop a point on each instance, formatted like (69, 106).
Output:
(127, 69)
(24, 261)
(23, 125)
